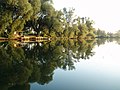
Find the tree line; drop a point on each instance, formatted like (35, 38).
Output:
(40, 18)
(102, 34)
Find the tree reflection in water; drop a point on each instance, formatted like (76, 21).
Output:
(35, 62)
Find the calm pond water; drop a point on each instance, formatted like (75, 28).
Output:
(60, 65)
(100, 72)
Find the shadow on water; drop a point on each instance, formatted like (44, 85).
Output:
(36, 62)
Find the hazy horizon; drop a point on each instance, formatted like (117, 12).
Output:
(103, 12)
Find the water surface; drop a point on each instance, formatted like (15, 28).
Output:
(60, 65)
(100, 72)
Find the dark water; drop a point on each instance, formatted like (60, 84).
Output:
(60, 65)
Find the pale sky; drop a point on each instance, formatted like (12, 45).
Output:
(105, 13)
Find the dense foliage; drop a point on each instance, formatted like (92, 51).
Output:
(35, 62)
(41, 18)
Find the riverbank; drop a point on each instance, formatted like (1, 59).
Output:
(40, 38)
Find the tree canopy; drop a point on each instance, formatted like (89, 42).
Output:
(41, 17)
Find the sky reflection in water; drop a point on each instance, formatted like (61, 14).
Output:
(100, 72)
